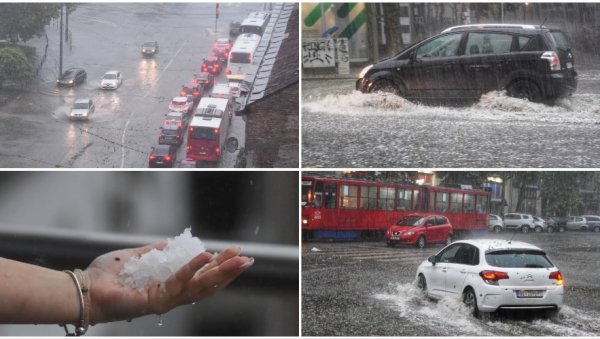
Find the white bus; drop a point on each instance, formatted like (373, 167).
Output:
(255, 23)
(241, 56)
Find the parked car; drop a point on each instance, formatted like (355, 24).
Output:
(463, 62)
(495, 223)
(171, 134)
(149, 48)
(519, 221)
(420, 229)
(162, 156)
(72, 77)
(82, 108)
(555, 223)
(593, 222)
(111, 80)
(539, 224)
(490, 275)
(577, 223)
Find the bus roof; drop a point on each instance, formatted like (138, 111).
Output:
(218, 103)
(246, 44)
(210, 122)
(256, 19)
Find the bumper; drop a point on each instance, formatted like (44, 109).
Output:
(559, 85)
(492, 298)
(160, 164)
(401, 239)
(78, 117)
(109, 87)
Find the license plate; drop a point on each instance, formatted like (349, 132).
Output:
(529, 293)
(395, 238)
(569, 65)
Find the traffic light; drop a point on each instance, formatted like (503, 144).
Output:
(217, 11)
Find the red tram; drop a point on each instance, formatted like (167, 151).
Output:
(348, 208)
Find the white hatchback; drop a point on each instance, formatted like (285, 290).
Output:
(111, 80)
(488, 275)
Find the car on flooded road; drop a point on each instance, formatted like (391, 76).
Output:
(72, 77)
(490, 275)
(149, 48)
(162, 156)
(82, 108)
(111, 80)
(420, 229)
(464, 62)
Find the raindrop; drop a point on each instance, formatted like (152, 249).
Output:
(160, 323)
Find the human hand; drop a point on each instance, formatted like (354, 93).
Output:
(203, 276)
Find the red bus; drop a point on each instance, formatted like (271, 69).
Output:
(208, 129)
(348, 208)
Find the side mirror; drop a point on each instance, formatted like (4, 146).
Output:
(231, 144)
(413, 57)
(431, 259)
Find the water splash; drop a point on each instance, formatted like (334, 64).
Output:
(160, 322)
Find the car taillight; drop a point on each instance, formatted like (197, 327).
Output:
(216, 130)
(304, 221)
(218, 151)
(553, 60)
(196, 93)
(558, 276)
(492, 277)
(167, 158)
(229, 71)
(182, 93)
(153, 157)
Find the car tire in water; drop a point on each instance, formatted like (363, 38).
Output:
(497, 229)
(384, 86)
(422, 284)
(597, 229)
(470, 300)
(538, 229)
(561, 229)
(421, 242)
(525, 89)
(550, 229)
(524, 229)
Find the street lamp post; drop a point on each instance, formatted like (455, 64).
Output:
(60, 59)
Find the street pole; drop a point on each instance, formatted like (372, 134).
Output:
(67, 23)
(60, 59)
(216, 19)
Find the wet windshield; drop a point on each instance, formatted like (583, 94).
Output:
(410, 221)
(110, 76)
(80, 105)
(518, 259)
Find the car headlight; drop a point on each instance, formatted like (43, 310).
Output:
(409, 233)
(364, 71)
(70, 81)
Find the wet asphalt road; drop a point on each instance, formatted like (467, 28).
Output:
(345, 128)
(367, 289)
(35, 131)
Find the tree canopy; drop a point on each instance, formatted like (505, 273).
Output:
(23, 21)
(14, 65)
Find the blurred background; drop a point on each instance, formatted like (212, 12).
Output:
(64, 220)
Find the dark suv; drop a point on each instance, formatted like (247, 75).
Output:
(463, 62)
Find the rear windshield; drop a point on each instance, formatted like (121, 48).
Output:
(203, 133)
(410, 221)
(169, 131)
(251, 29)
(240, 58)
(560, 39)
(518, 259)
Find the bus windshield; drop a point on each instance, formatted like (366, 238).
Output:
(240, 58)
(410, 221)
(203, 133)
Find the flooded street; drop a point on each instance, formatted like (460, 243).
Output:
(345, 128)
(366, 289)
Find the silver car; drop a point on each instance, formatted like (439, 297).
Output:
(540, 224)
(82, 108)
(495, 223)
(584, 223)
(519, 221)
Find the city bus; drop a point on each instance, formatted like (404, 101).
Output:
(341, 208)
(255, 23)
(208, 129)
(241, 56)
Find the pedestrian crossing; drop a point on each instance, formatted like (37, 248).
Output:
(377, 252)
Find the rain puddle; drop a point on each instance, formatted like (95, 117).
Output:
(452, 317)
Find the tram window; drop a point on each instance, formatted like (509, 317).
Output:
(482, 204)
(386, 198)
(368, 197)
(404, 200)
(307, 192)
(469, 203)
(440, 201)
(330, 190)
(348, 196)
(456, 202)
(318, 202)
(415, 204)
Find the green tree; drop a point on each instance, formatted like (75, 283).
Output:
(14, 65)
(23, 21)
(473, 178)
(561, 191)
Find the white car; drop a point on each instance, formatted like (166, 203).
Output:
(495, 223)
(221, 91)
(82, 108)
(488, 275)
(111, 80)
(182, 104)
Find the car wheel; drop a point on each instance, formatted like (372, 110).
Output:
(385, 86)
(524, 229)
(538, 229)
(524, 89)
(561, 229)
(422, 284)
(448, 240)
(497, 229)
(583, 228)
(421, 242)
(550, 229)
(470, 300)
(597, 229)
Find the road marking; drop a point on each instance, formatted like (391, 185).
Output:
(144, 97)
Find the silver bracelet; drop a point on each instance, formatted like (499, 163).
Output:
(84, 298)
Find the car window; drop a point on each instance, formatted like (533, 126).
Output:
(559, 38)
(518, 259)
(467, 255)
(81, 105)
(488, 43)
(444, 46)
(447, 255)
(410, 221)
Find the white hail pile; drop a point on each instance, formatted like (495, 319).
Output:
(155, 267)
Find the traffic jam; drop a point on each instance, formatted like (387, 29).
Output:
(431, 260)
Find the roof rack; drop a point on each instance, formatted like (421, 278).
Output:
(516, 26)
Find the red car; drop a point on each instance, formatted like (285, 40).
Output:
(420, 229)
(221, 48)
(195, 90)
(212, 66)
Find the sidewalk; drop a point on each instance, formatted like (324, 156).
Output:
(330, 73)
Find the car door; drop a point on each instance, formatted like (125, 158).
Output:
(459, 268)
(433, 66)
(436, 278)
(430, 230)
